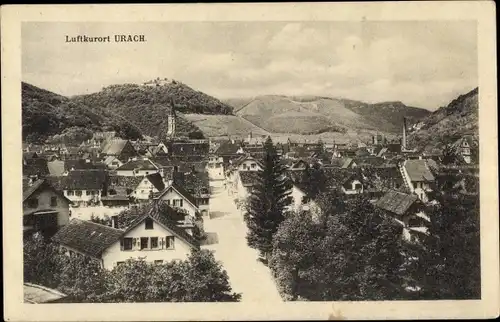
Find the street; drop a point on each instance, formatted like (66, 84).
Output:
(227, 238)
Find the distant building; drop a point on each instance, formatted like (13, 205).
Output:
(417, 177)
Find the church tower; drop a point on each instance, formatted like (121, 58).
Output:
(171, 120)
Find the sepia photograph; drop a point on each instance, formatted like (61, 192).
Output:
(254, 162)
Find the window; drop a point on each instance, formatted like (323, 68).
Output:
(119, 263)
(78, 193)
(93, 192)
(87, 192)
(154, 242)
(149, 223)
(127, 243)
(168, 202)
(169, 242)
(158, 262)
(178, 202)
(253, 165)
(53, 201)
(358, 186)
(33, 203)
(144, 242)
(71, 193)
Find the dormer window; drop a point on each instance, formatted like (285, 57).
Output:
(148, 223)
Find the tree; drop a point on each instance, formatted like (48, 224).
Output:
(106, 221)
(83, 279)
(351, 255)
(200, 278)
(268, 201)
(314, 180)
(42, 261)
(449, 265)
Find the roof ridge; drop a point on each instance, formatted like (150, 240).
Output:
(94, 223)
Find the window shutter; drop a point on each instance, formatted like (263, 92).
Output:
(180, 202)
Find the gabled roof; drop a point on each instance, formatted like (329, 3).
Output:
(418, 170)
(82, 164)
(114, 146)
(381, 152)
(347, 163)
(139, 164)
(156, 180)
(87, 237)
(43, 183)
(84, 180)
(396, 202)
(227, 147)
(183, 192)
(194, 182)
(164, 215)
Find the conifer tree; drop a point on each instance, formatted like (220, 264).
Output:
(268, 202)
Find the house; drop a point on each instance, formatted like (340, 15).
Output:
(468, 148)
(149, 185)
(37, 294)
(406, 210)
(197, 184)
(122, 149)
(155, 236)
(353, 184)
(137, 167)
(84, 187)
(177, 197)
(417, 177)
(188, 147)
(243, 185)
(112, 162)
(45, 209)
(247, 163)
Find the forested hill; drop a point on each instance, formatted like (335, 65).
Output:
(449, 123)
(46, 115)
(147, 106)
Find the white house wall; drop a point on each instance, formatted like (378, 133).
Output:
(114, 254)
(172, 194)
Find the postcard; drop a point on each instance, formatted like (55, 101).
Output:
(269, 161)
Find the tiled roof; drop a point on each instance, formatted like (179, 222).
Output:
(370, 161)
(82, 164)
(87, 237)
(396, 202)
(114, 146)
(157, 181)
(227, 147)
(249, 178)
(124, 182)
(347, 163)
(140, 164)
(166, 216)
(29, 190)
(35, 166)
(84, 180)
(418, 170)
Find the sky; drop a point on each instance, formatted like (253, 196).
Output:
(421, 63)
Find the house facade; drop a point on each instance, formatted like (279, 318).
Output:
(177, 197)
(44, 208)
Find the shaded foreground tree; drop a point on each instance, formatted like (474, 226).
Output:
(352, 255)
(268, 201)
(449, 265)
(199, 278)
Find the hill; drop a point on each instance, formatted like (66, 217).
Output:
(46, 115)
(224, 125)
(315, 114)
(449, 123)
(147, 106)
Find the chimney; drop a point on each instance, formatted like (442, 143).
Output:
(403, 143)
(114, 221)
